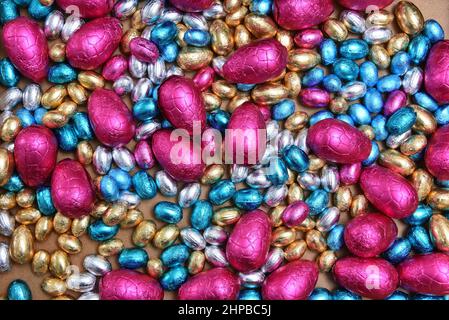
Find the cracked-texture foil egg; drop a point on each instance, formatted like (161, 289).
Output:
(437, 72)
(87, 8)
(437, 154)
(362, 5)
(192, 5)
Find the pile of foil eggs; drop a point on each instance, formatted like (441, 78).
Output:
(224, 149)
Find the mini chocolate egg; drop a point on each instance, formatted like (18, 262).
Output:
(192, 6)
(88, 8)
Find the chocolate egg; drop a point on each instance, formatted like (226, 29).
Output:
(35, 152)
(26, 47)
(437, 154)
(192, 6)
(389, 192)
(336, 141)
(256, 62)
(362, 5)
(72, 189)
(144, 50)
(111, 119)
(87, 8)
(437, 72)
(94, 43)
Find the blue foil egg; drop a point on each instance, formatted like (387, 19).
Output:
(247, 199)
(9, 76)
(173, 278)
(67, 138)
(328, 52)
(245, 87)
(401, 121)
(369, 73)
(277, 171)
(427, 297)
(419, 48)
(197, 37)
(400, 63)
(283, 109)
(374, 154)
(373, 100)
(82, 126)
(26, 117)
(164, 33)
(378, 124)
(345, 69)
(320, 294)
(295, 158)
(343, 294)
(420, 239)
(168, 212)
(249, 294)
(320, 115)
(398, 251)
(317, 201)
(99, 231)
(38, 11)
(133, 258)
(39, 114)
(169, 51)
(335, 237)
(121, 177)
(145, 109)
(22, 3)
(426, 101)
(61, 73)
(14, 184)
(442, 115)
(8, 11)
(345, 118)
(433, 31)
(354, 49)
(262, 7)
(313, 77)
(175, 255)
(389, 83)
(109, 189)
(397, 295)
(144, 185)
(19, 290)
(360, 114)
(201, 216)
(221, 192)
(332, 83)
(44, 201)
(219, 119)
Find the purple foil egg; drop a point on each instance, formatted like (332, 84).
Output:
(336, 141)
(179, 157)
(35, 153)
(94, 43)
(437, 72)
(26, 46)
(182, 104)
(249, 242)
(144, 155)
(372, 278)
(129, 285)
(309, 38)
(301, 14)
(425, 274)
(437, 154)
(395, 100)
(111, 119)
(314, 97)
(214, 284)
(293, 281)
(192, 5)
(144, 50)
(389, 192)
(256, 62)
(88, 8)
(245, 138)
(370, 234)
(295, 214)
(115, 67)
(72, 189)
(204, 78)
(362, 5)
(350, 173)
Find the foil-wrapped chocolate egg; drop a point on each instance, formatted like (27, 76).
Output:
(94, 43)
(192, 6)
(144, 50)
(389, 192)
(129, 285)
(72, 189)
(256, 62)
(253, 231)
(437, 154)
(35, 153)
(87, 8)
(214, 284)
(111, 119)
(26, 46)
(336, 141)
(362, 5)
(437, 72)
(373, 278)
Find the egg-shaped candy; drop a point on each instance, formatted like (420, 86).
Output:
(437, 154)
(192, 6)
(437, 72)
(88, 8)
(362, 5)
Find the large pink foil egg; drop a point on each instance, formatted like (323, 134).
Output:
(295, 213)
(301, 14)
(370, 234)
(178, 156)
(111, 119)
(256, 62)
(249, 242)
(129, 285)
(214, 284)
(437, 154)
(389, 192)
(362, 5)
(293, 281)
(26, 47)
(336, 141)
(192, 5)
(182, 104)
(437, 72)
(35, 153)
(94, 43)
(72, 189)
(373, 278)
(87, 8)
(425, 274)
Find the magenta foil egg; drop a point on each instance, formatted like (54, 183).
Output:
(94, 43)
(293, 281)
(256, 62)
(192, 5)
(389, 192)
(295, 213)
(35, 153)
(144, 50)
(350, 173)
(249, 242)
(395, 100)
(87, 8)
(437, 72)
(182, 104)
(26, 46)
(129, 285)
(373, 278)
(314, 97)
(437, 154)
(336, 141)
(115, 67)
(214, 284)
(179, 157)
(370, 234)
(72, 189)
(301, 14)
(144, 155)
(425, 274)
(362, 5)
(245, 138)
(309, 38)
(204, 78)
(110, 118)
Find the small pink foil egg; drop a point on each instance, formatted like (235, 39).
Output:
(245, 139)
(266, 112)
(144, 155)
(182, 104)
(129, 285)
(192, 5)
(72, 189)
(309, 38)
(437, 154)
(35, 153)
(370, 234)
(425, 274)
(373, 278)
(88, 8)
(362, 5)
(256, 62)
(26, 46)
(389, 192)
(301, 14)
(350, 173)
(204, 78)
(295, 214)
(293, 281)
(179, 157)
(115, 68)
(94, 43)
(336, 141)
(395, 100)
(144, 50)
(249, 242)
(111, 119)
(214, 284)
(314, 97)
(437, 72)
